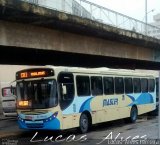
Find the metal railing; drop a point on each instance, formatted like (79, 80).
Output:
(98, 13)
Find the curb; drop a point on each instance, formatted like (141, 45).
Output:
(6, 118)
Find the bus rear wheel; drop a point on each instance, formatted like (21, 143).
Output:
(133, 115)
(84, 123)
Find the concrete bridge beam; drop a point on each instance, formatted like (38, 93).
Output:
(28, 36)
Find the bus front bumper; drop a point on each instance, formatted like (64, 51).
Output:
(39, 125)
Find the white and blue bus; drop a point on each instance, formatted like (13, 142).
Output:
(58, 98)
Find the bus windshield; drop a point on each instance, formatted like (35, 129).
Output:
(39, 94)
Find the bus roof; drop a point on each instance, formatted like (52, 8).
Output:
(101, 71)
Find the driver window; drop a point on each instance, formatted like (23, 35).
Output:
(66, 89)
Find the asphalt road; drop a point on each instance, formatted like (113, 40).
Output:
(10, 134)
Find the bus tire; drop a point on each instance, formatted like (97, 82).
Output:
(133, 114)
(84, 123)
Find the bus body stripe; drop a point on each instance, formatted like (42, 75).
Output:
(86, 105)
(144, 98)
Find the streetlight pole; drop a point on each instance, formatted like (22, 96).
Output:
(159, 106)
(146, 17)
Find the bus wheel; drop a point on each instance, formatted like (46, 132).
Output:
(133, 114)
(84, 123)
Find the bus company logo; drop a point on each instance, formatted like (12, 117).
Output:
(28, 117)
(108, 102)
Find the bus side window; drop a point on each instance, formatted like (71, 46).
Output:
(96, 85)
(83, 85)
(66, 89)
(157, 87)
(128, 85)
(151, 85)
(144, 85)
(108, 85)
(137, 85)
(119, 85)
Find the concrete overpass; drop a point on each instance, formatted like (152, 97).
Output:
(30, 34)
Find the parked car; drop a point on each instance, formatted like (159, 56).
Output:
(9, 102)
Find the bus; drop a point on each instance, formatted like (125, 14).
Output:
(8, 102)
(59, 98)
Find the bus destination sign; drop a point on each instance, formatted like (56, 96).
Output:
(34, 73)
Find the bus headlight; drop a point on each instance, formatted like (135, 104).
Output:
(55, 114)
(20, 119)
(51, 117)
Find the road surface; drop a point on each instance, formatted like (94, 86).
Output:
(10, 134)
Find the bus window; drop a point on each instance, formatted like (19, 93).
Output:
(128, 85)
(66, 89)
(151, 85)
(137, 85)
(96, 85)
(39, 94)
(119, 85)
(108, 85)
(83, 85)
(157, 87)
(144, 85)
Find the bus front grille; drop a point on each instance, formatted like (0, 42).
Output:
(35, 125)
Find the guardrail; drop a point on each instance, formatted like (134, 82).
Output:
(98, 13)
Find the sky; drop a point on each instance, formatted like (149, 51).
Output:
(132, 8)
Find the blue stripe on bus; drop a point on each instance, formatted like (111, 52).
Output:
(78, 102)
(86, 105)
(144, 98)
(131, 97)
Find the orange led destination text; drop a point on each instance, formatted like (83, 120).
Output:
(23, 103)
(40, 73)
(24, 75)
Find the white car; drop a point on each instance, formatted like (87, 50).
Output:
(8, 102)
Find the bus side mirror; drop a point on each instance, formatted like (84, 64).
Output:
(64, 90)
(11, 89)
